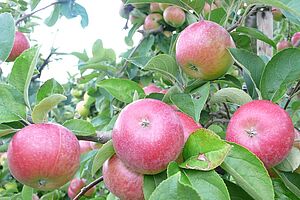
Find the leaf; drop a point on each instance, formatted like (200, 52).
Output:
(81, 56)
(231, 95)
(173, 189)
(7, 36)
(291, 162)
(131, 32)
(23, 70)
(199, 99)
(196, 5)
(218, 15)
(5, 130)
(281, 71)
(183, 102)
(71, 10)
(165, 65)
(106, 151)
(209, 185)
(122, 89)
(27, 193)
(253, 67)
(40, 111)
(52, 19)
(98, 50)
(256, 34)
(249, 173)
(34, 3)
(204, 150)
(151, 182)
(291, 181)
(237, 193)
(12, 105)
(80, 127)
(50, 87)
(173, 2)
(282, 192)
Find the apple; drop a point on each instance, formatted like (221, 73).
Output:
(151, 22)
(153, 132)
(297, 145)
(75, 186)
(208, 8)
(88, 100)
(121, 181)
(76, 93)
(201, 50)
(283, 44)
(295, 39)
(35, 197)
(277, 14)
(154, 8)
(82, 109)
(21, 43)
(151, 88)
(174, 16)
(188, 124)
(264, 128)
(86, 146)
(163, 6)
(43, 156)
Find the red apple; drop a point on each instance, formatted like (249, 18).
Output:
(21, 43)
(297, 145)
(263, 128)
(201, 50)
(151, 22)
(85, 146)
(154, 8)
(296, 39)
(189, 125)
(147, 136)
(121, 181)
(44, 156)
(208, 8)
(76, 185)
(283, 44)
(151, 88)
(174, 16)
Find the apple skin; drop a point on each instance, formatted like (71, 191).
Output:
(39, 154)
(188, 124)
(82, 109)
(295, 39)
(283, 44)
(153, 132)
(21, 43)
(174, 16)
(297, 145)
(208, 8)
(154, 8)
(151, 88)
(75, 186)
(201, 50)
(264, 128)
(151, 22)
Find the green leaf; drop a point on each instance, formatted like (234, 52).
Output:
(5, 130)
(281, 71)
(51, 195)
(291, 181)
(173, 189)
(253, 32)
(80, 127)
(98, 50)
(52, 19)
(236, 192)
(199, 99)
(7, 36)
(23, 70)
(131, 32)
(40, 111)
(165, 65)
(12, 105)
(71, 10)
(34, 3)
(27, 193)
(183, 102)
(291, 162)
(218, 15)
(106, 151)
(282, 192)
(204, 150)
(249, 173)
(81, 56)
(231, 95)
(151, 182)
(196, 5)
(209, 185)
(122, 89)
(50, 87)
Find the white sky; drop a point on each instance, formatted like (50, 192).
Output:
(68, 35)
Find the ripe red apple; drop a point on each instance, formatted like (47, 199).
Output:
(151, 22)
(154, 8)
(21, 43)
(283, 44)
(174, 16)
(208, 8)
(189, 125)
(296, 39)
(75, 186)
(201, 50)
(151, 88)
(263, 128)
(153, 132)
(277, 14)
(43, 156)
(121, 181)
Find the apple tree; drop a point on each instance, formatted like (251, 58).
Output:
(205, 106)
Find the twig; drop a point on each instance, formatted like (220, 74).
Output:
(41, 68)
(102, 137)
(88, 187)
(296, 89)
(225, 106)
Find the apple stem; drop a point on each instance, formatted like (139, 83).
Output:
(88, 187)
(102, 137)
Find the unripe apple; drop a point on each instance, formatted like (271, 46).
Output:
(76, 185)
(154, 8)
(277, 14)
(201, 50)
(174, 16)
(153, 132)
(263, 128)
(295, 39)
(21, 43)
(151, 88)
(76, 93)
(188, 124)
(88, 100)
(43, 156)
(152, 22)
(283, 44)
(208, 8)
(121, 181)
(163, 6)
(82, 109)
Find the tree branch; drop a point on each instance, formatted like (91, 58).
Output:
(102, 137)
(41, 68)
(88, 187)
(296, 89)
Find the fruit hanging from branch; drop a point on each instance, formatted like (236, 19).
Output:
(174, 16)
(21, 43)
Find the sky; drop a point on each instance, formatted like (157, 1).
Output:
(67, 35)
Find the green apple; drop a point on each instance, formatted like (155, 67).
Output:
(82, 109)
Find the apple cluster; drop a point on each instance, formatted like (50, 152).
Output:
(295, 42)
